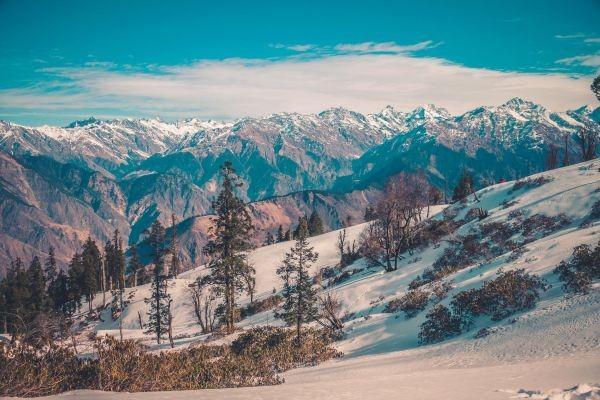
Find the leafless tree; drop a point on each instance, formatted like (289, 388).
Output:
(204, 299)
(170, 321)
(552, 156)
(566, 153)
(588, 140)
(329, 312)
(398, 212)
(249, 280)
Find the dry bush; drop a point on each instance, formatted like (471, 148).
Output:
(439, 325)
(412, 303)
(583, 267)
(259, 306)
(279, 347)
(530, 183)
(511, 292)
(541, 224)
(253, 359)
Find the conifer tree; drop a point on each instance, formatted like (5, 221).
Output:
(269, 239)
(280, 234)
(92, 267)
(50, 267)
(158, 315)
(37, 286)
(464, 187)
(229, 240)
(174, 249)
(370, 213)
(300, 298)
(17, 297)
(315, 224)
(60, 295)
(135, 266)
(75, 281)
(302, 222)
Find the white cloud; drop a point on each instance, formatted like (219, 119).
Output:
(571, 36)
(385, 47)
(592, 40)
(232, 88)
(590, 60)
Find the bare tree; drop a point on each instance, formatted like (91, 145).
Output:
(588, 140)
(329, 312)
(398, 212)
(249, 280)
(204, 299)
(170, 321)
(552, 156)
(566, 161)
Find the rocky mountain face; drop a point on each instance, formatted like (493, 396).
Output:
(59, 185)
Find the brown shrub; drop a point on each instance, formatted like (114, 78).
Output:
(253, 359)
(411, 303)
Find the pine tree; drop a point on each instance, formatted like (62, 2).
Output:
(50, 267)
(315, 224)
(302, 222)
(37, 286)
(280, 234)
(229, 240)
(269, 239)
(135, 266)
(17, 297)
(173, 249)
(370, 213)
(75, 279)
(300, 297)
(464, 187)
(92, 267)
(60, 294)
(159, 300)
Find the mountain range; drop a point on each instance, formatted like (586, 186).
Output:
(60, 185)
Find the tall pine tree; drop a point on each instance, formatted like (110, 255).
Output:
(158, 316)
(315, 224)
(229, 240)
(135, 267)
(92, 266)
(300, 297)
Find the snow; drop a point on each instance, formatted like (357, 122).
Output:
(549, 352)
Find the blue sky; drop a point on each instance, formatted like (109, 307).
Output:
(65, 60)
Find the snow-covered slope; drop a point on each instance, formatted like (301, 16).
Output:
(554, 345)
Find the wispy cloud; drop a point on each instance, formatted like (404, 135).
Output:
(589, 60)
(384, 47)
(361, 79)
(571, 36)
(294, 47)
(592, 40)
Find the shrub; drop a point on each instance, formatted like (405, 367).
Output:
(280, 348)
(511, 292)
(259, 306)
(581, 269)
(411, 303)
(253, 359)
(531, 183)
(543, 224)
(440, 290)
(439, 325)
